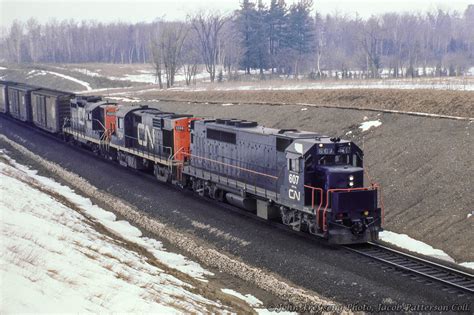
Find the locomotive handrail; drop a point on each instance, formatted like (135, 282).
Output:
(312, 200)
(329, 191)
(152, 152)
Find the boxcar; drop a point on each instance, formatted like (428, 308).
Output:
(19, 101)
(4, 96)
(49, 109)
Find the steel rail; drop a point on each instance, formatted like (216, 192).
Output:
(451, 277)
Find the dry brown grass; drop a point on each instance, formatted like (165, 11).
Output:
(452, 103)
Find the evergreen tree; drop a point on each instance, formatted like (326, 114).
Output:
(245, 20)
(259, 38)
(252, 25)
(277, 26)
(300, 34)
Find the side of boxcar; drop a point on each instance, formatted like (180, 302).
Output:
(4, 108)
(49, 109)
(19, 101)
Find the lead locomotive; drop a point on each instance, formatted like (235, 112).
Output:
(308, 181)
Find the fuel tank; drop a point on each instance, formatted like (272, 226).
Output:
(246, 203)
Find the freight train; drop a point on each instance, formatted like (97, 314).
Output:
(307, 181)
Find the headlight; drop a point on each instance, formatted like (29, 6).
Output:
(351, 177)
(351, 184)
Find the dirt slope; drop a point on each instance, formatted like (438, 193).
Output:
(453, 103)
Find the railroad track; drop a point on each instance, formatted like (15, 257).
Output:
(453, 280)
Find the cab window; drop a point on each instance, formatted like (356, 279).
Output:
(294, 165)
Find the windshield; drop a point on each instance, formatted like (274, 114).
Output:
(340, 159)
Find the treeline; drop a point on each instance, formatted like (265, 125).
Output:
(272, 37)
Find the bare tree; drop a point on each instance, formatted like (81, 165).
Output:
(208, 27)
(167, 49)
(191, 58)
(157, 56)
(173, 38)
(370, 41)
(231, 50)
(15, 40)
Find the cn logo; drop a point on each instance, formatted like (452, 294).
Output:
(144, 135)
(293, 194)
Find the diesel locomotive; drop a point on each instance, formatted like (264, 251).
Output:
(307, 181)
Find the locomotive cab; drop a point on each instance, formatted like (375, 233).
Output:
(325, 179)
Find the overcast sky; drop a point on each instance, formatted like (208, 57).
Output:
(148, 10)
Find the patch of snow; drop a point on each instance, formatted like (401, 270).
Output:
(34, 73)
(355, 84)
(3, 68)
(366, 125)
(124, 99)
(248, 298)
(411, 244)
(148, 76)
(144, 77)
(304, 109)
(145, 71)
(87, 72)
(470, 214)
(468, 264)
(111, 89)
(121, 228)
(227, 104)
(54, 259)
(349, 132)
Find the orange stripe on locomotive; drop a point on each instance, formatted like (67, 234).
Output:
(182, 137)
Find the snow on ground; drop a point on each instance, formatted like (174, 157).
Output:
(34, 73)
(3, 68)
(468, 265)
(406, 242)
(87, 72)
(55, 258)
(366, 125)
(124, 99)
(147, 76)
(143, 78)
(343, 85)
(250, 299)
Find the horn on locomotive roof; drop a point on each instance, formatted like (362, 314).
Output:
(281, 131)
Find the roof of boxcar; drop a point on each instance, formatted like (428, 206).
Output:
(22, 87)
(52, 92)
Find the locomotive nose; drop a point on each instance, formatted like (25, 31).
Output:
(343, 176)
